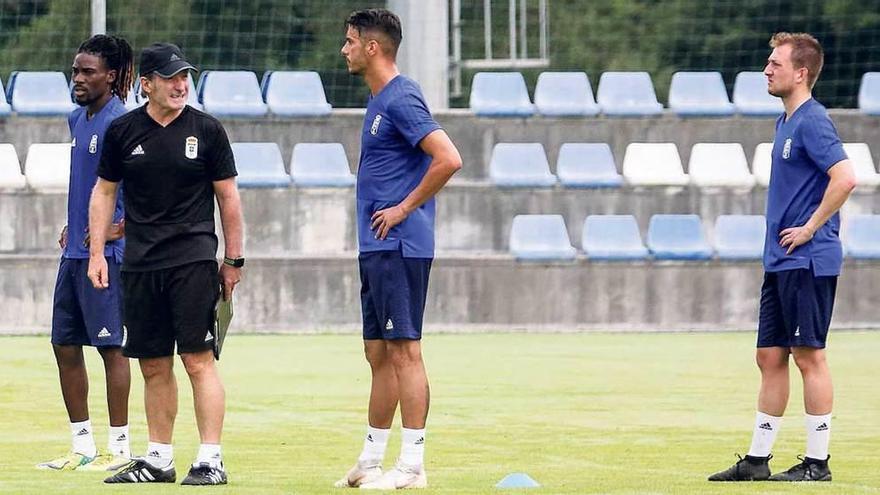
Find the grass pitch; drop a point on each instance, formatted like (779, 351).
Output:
(580, 413)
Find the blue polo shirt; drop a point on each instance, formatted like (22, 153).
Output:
(87, 140)
(805, 147)
(391, 165)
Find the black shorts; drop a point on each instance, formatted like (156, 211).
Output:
(796, 309)
(393, 292)
(168, 306)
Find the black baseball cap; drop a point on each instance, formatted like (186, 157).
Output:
(164, 59)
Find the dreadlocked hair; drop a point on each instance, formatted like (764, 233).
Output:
(117, 54)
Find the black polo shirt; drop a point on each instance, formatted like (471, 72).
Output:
(169, 195)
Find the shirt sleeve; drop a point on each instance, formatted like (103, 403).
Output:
(110, 166)
(822, 143)
(411, 117)
(221, 161)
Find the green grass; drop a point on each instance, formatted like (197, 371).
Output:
(581, 413)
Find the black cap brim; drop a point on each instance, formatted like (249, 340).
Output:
(173, 68)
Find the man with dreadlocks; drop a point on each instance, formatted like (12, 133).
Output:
(82, 315)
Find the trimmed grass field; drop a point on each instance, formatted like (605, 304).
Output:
(580, 413)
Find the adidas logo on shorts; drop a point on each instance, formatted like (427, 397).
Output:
(209, 337)
(104, 333)
(389, 325)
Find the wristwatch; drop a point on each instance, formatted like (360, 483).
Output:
(233, 262)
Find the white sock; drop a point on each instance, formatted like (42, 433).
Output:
(766, 428)
(83, 440)
(374, 445)
(818, 436)
(159, 455)
(412, 447)
(209, 453)
(117, 441)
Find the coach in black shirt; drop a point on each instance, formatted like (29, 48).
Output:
(174, 160)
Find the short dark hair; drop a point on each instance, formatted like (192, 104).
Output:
(117, 55)
(378, 21)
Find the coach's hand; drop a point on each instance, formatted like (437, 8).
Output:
(62, 239)
(793, 237)
(385, 220)
(98, 273)
(229, 277)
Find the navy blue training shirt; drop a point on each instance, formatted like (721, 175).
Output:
(805, 147)
(392, 164)
(87, 140)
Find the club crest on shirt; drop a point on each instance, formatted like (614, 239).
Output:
(192, 147)
(374, 129)
(786, 149)
(93, 144)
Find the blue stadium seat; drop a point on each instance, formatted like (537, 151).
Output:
(699, 94)
(5, 109)
(750, 96)
(39, 93)
(565, 94)
(233, 93)
(520, 165)
(613, 237)
(192, 99)
(677, 237)
(259, 165)
(587, 165)
(869, 93)
(540, 238)
(320, 165)
(295, 93)
(740, 237)
(628, 94)
(862, 238)
(500, 94)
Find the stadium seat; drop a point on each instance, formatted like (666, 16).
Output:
(47, 166)
(628, 94)
(677, 237)
(740, 237)
(520, 165)
(699, 94)
(259, 165)
(233, 93)
(862, 238)
(720, 165)
(10, 168)
(565, 94)
(863, 164)
(295, 94)
(869, 93)
(5, 109)
(132, 101)
(39, 93)
(612, 237)
(500, 94)
(587, 165)
(653, 164)
(761, 163)
(320, 165)
(540, 238)
(192, 98)
(750, 96)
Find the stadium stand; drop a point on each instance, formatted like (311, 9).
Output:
(719, 165)
(565, 94)
(295, 94)
(750, 96)
(259, 165)
(869, 93)
(653, 164)
(132, 101)
(39, 93)
(587, 165)
(320, 165)
(540, 238)
(761, 163)
(677, 237)
(862, 239)
(520, 165)
(863, 164)
(699, 94)
(628, 94)
(612, 238)
(740, 237)
(234, 93)
(5, 109)
(11, 177)
(500, 94)
(47, 167)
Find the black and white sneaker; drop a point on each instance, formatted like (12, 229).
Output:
(808, 469)
(141, 471)
(205, 474)
(747, 468)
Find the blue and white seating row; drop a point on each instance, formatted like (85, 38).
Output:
(578, 165)
(39, 93)
(284, 93)
(859, 155)
(311, 165)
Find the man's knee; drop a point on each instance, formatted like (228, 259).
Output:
(68, 356)
(404, 353)
(156, 368)
(376, 353)
(809, 359)
(198, 363)
(772, 359)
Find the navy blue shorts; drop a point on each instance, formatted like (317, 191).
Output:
(393, 291)
(82, 314)
(795, 309)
